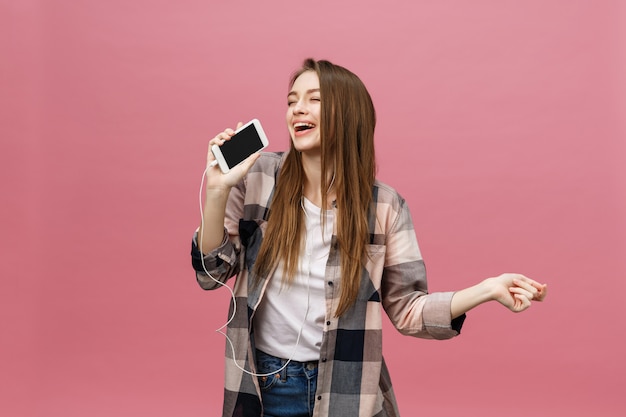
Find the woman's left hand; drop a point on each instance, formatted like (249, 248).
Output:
(516, 291)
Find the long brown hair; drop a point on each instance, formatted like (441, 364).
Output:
(347, 127)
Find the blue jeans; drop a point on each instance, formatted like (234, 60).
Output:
(287, 393)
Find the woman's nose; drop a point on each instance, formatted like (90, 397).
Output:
(299, 107)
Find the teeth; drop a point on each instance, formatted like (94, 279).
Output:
(303, 126)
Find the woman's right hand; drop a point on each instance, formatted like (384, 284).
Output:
(215, 179)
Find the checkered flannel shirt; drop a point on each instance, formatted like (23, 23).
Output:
(353, 379)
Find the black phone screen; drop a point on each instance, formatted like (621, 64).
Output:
(241, 146)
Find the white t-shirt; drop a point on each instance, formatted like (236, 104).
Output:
(288, 309)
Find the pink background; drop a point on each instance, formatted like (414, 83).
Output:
(501, 122)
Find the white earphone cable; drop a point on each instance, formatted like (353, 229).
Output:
(234, 301)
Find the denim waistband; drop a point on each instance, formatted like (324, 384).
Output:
(280, 362)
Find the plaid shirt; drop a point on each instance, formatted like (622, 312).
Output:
(352, 377)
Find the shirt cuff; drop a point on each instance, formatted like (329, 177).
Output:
(214, 259)
(438, 319)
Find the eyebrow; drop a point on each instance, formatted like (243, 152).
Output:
(312, 90)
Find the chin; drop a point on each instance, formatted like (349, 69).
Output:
(307, 147)
(303, 145)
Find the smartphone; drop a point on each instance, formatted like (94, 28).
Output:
(248, 139)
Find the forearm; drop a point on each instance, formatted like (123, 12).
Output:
(211, 231)
(468, 298)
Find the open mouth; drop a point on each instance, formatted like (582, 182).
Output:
(301, 127)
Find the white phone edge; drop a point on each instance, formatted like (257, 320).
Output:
(219, 157)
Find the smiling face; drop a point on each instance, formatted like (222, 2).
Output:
(303, 113)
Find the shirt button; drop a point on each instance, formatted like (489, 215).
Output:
(328, 323)
(323, 359)
(319, 398)
(330, 283)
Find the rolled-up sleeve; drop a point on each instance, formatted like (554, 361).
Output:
(415, 312)
(438, 318)
(410, 307)
(217, 266)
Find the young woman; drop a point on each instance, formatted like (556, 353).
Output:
(318, 245)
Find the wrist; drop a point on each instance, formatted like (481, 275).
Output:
(213, 192)
(471, 297)
(489, 289)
